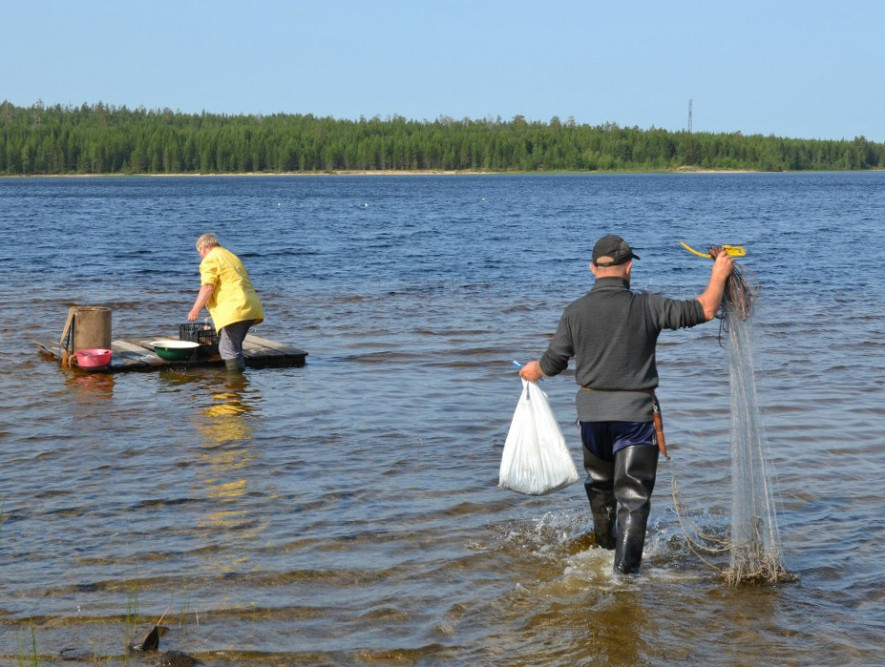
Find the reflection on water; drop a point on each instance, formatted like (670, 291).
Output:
(234, 398)
(225, 428)
(88, 386)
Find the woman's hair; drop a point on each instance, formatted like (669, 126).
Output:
(207, 241)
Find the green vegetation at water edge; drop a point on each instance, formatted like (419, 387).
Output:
(102, 139)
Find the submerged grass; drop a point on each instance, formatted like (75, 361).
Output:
(136, 646)
(29, 659)
(131, 615)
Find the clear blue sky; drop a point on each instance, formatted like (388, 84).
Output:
(792, 68)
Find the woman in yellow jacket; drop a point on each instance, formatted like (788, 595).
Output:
(227, 292)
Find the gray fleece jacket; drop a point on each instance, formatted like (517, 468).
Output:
(612, 334)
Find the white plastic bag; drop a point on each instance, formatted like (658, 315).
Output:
(536, 459)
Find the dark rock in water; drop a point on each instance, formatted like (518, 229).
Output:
(178, 659)
(150, 642)
(76, 654)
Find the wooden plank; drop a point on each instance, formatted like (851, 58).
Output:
(51, 349)
(138, 355)
(132, 350)
(266, 342)
(274, 347)
(128, 346)
(63, 342)
(253, 349)
(129, 355)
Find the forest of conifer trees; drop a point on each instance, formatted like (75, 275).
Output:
(102, 139)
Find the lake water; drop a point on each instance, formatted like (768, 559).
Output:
(346, 512)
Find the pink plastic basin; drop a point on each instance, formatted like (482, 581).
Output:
(94, 358)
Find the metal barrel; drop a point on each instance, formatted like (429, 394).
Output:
(92, 328)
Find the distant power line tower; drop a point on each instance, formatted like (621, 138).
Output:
(689, 144)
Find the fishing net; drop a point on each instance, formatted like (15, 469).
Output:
(753, 545)
(741, 290)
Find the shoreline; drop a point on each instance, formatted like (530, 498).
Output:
(387, 172)
(429, 172)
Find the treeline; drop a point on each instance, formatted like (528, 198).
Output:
(102, 139)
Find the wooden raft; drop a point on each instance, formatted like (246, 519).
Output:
(139, 355)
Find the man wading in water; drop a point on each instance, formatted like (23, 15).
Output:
(612, 334)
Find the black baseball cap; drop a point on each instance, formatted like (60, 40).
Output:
(612, 245)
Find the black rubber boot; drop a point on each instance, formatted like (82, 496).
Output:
(599, 486)
(635, 471)
(237, 365)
